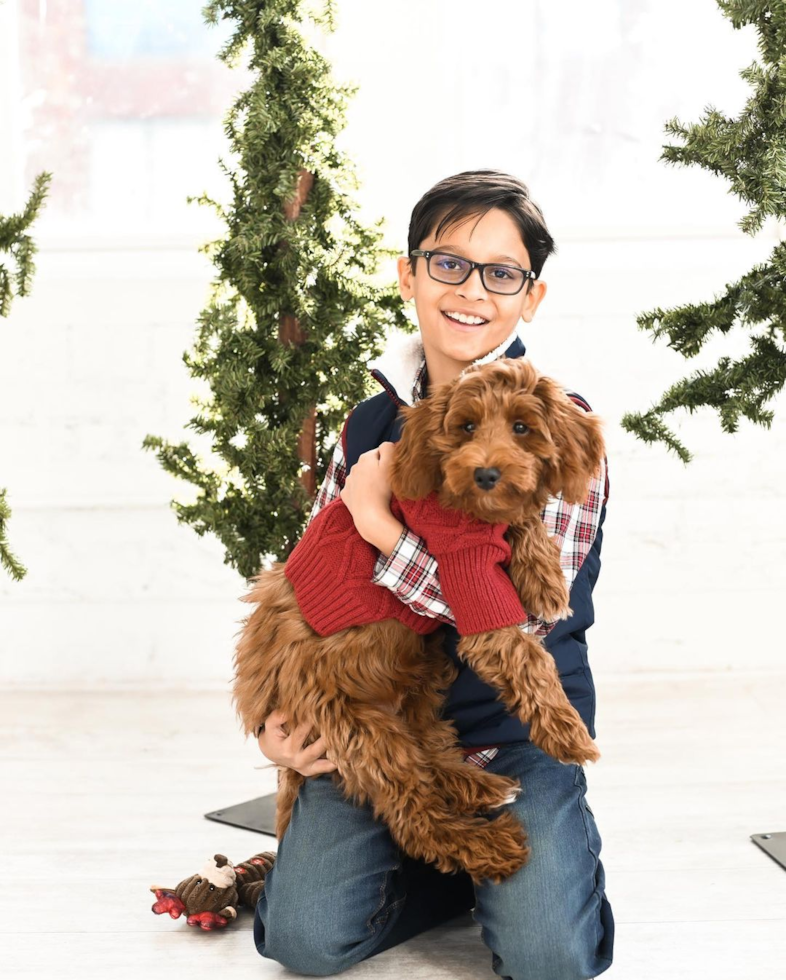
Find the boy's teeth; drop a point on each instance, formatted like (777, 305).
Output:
(465, 319)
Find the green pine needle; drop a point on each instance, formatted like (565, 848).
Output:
(750, 152)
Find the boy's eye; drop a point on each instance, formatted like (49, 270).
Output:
(505, 272)
(520, 429)
(468, 426)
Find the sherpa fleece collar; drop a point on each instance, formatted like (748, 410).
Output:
(398, 366)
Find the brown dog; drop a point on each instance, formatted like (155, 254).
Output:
(375, 691)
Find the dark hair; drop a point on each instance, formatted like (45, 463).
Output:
(476, 192)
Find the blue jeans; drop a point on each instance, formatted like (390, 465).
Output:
(341, 891)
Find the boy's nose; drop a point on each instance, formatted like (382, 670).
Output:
(472, 286)
(486, 477)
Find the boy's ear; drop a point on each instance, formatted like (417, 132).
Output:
(416, 470)
(405, 277)
(578, 442)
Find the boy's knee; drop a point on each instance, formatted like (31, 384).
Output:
(545, 955)
(298, 945)
(551, 965)
(299, 953)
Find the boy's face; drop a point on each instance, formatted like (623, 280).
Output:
(451, 346)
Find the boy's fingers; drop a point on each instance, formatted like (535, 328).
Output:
(300, 732)
(316, 748)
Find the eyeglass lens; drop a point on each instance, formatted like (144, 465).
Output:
(497, 278)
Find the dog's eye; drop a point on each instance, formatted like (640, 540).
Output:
(468, 426)
(520, 429)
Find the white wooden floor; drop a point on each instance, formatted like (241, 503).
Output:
(103, 796)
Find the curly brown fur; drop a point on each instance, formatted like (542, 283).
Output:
(375, 692)
(559, 453)
(370, 692)
(558, 450)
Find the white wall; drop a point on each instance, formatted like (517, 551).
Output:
(119, 594)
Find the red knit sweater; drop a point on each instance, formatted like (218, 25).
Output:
(331, 569)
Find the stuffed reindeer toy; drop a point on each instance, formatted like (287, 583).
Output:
(473, 469)
(210, 898)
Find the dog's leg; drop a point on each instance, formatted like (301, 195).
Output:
(535, 571)
(524, 672)
(466, 788)
(347, 686)
(381, 764)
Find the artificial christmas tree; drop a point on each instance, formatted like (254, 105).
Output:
(16, 243)
(293, 314)
(751, 152)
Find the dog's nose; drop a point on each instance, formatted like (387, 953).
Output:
(486, 477)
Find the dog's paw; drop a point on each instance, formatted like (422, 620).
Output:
(550, 606)
(551, 613)
(493, 791)
(510, 798)
(574, 750)
(496, 851)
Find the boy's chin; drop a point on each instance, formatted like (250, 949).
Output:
(468, 346)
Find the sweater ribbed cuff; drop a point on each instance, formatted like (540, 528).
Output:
(325, 606)
(479, 592)
(420, 624)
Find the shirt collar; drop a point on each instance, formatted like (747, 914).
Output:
(401, 367)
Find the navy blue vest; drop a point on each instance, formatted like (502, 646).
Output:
(473, 707)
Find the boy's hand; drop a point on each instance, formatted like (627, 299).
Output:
(366, 492)
(285, 748)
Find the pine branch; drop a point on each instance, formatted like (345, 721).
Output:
(11, 564)
(15, 241)
(750, 152)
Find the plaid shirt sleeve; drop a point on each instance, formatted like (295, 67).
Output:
(410, 572)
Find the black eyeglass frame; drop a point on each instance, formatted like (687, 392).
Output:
(426, 254)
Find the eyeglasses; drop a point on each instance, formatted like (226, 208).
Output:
(445, 267)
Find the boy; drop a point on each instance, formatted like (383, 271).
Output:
(340, 890)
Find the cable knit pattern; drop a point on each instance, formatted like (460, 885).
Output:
(330, 569)
(470, 554)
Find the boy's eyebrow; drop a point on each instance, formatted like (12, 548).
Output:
(499, 256)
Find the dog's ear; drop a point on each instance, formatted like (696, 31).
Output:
(416, 470)
(578, 442)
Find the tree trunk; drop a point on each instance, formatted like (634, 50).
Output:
(290, 332)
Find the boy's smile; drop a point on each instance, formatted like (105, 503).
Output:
(450, 345)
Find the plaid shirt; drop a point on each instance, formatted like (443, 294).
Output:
(411, 574)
